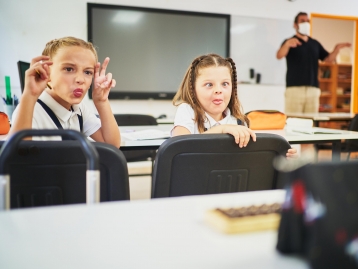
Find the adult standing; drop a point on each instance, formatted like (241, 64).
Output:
(302, 54)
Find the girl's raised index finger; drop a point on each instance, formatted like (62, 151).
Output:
(104, 66)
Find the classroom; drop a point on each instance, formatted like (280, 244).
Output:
(158, 219)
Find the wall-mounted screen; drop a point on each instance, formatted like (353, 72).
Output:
(150, 49)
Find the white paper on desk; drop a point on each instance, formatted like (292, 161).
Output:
(314, 130)
(146, 134)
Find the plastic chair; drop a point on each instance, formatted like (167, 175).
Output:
(54, 173)
(349, 145)
(214, 163)
(134, 119)
(137, 120)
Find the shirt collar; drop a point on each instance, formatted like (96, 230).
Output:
(61, 112)
(210, 122)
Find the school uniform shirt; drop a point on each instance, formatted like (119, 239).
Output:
(185, 117)
(67, 118)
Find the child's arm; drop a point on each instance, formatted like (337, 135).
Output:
(240, 133)
(109, 131)
(36, 78)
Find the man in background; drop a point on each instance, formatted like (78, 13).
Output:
(302, 54)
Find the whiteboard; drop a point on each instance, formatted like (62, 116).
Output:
(254, 44)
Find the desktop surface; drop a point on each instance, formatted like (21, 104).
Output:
(158, 233)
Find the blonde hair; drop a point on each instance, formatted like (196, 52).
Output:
(54, 45)
(186, 92)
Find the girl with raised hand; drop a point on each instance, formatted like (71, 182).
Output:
(55, 85)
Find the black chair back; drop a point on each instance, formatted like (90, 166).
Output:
(137, 120)
(214, 163)
(134, 120)
(352, 144)
(46, 173)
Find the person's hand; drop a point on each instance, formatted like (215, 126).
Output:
(291, 153)
(102, 82)
(37, 76)
(293, 42)
(343, 45)
(241, 134)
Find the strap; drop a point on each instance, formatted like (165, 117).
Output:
(50, 113)
(55, 119)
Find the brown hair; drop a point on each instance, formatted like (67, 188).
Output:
(54, 45)
(186, 92)
(298, 15)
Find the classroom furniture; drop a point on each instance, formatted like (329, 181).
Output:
(335, 81)
(321, 213)
(214, 163)
(137, 155)
(134, 119)
(160, 233)
(349, 145)
(323, 117)
(43, 173)
(292, 137)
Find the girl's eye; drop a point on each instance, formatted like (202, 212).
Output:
(68, 69)
(208, 84)
(90, 73)
(226, 84)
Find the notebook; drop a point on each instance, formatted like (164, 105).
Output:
(146, 134)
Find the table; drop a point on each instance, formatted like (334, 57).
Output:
(288, 134)
(159, 233)
(322, 117)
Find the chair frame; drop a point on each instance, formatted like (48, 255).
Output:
(206, 144)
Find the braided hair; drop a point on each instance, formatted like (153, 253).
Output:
(187, 94)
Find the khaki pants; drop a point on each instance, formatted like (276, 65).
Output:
(302, 99)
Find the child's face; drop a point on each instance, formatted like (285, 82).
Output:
(213, 89)
(71, 74)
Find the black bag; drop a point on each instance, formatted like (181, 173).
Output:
(320, 215)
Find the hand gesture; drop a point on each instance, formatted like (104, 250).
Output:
(37, 76)
(343, 45)
(102, 82)
(293, 42)
(240, 133)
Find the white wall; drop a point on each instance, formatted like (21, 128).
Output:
(25, 26)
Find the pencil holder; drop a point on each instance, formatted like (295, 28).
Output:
(9, 109)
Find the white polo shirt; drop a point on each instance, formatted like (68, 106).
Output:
(67, 118)
(185, 117)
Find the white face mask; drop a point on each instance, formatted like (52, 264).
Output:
(304, 28)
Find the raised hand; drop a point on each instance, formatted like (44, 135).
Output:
(343, 45)
(37, 76)
(102, 82)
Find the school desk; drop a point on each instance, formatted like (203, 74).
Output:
(293, 137)
(322, 117)
(158, 233)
